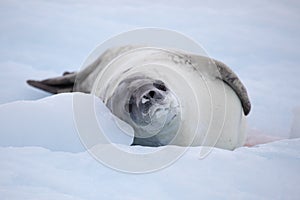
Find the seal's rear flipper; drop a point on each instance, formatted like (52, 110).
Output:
(56, 85)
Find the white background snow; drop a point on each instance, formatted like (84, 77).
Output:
(259, 40)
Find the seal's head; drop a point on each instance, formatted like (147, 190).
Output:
(150, 107)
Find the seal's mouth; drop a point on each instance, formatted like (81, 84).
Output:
(150, 100)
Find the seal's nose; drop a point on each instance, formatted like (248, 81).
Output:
(149, 99)
(154, 95)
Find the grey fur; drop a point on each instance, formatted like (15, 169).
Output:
(86, 77)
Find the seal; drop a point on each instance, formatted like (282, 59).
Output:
(151, 105)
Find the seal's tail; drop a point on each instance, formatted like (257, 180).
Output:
(56, 85)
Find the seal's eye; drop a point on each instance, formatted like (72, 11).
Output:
(160, 85)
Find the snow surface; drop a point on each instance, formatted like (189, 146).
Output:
(270, 171)
(42, 158)
(49, 123)
(295, 130)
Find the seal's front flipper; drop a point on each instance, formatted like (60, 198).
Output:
(56, 85)
(234, 82)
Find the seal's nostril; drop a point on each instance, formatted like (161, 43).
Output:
(151, 93)
(145, 97)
